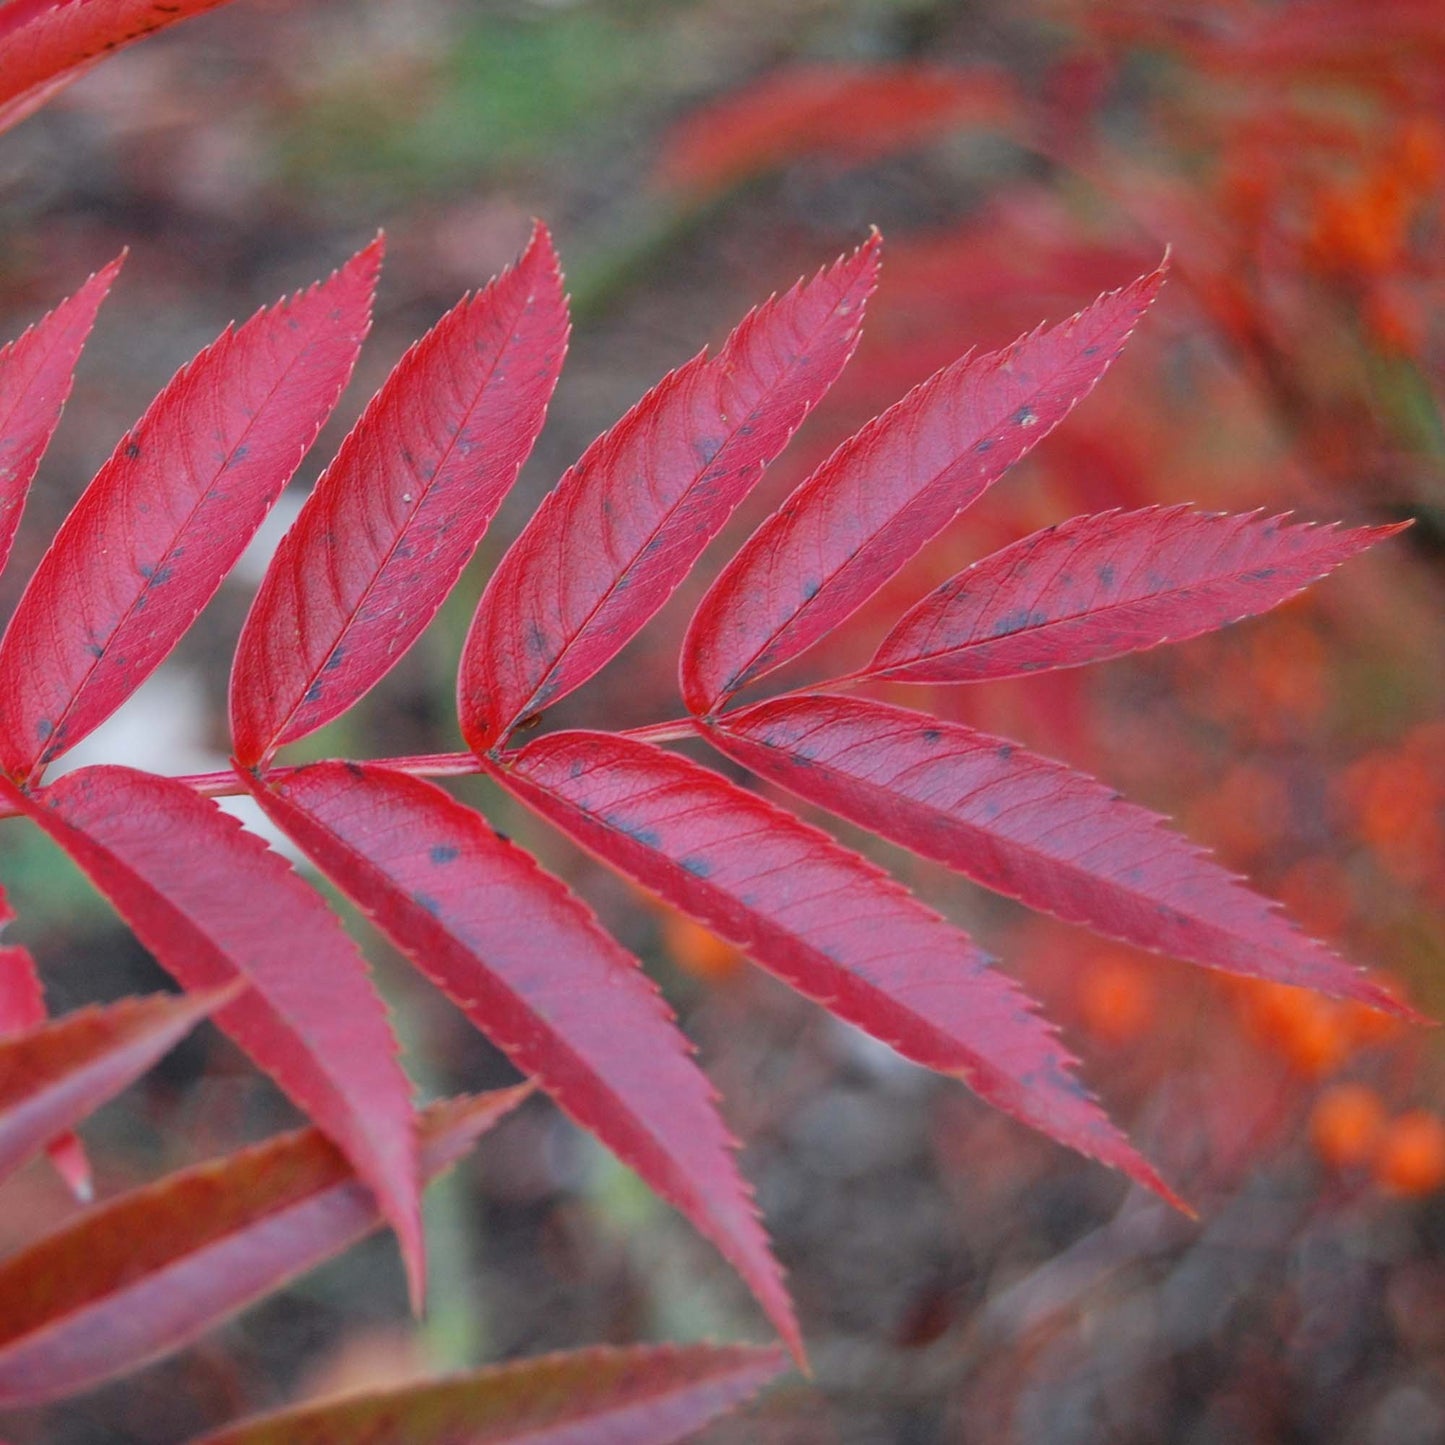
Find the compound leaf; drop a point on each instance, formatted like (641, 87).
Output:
(831, 924)
(532, 969)
(1100, 586)
(396, 516)
(212, 902)
(147, 1272)
(155, 533)
(888, 489)
(623, 527)
(1030, 828)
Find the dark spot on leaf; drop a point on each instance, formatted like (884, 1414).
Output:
(355, 769)
(1107, 575)
(1014, 621)
(1005, 751)
(698, 867)
(1260, 574)
(239, 455)
(1025, 416)
(95, 649)
(334, 661)
(503, 837)
(1089, 351)
(427, 903)
(44, 728)
(986, 445)
(132, 450)
(146, 571)
(811, 588)
(443, 853)
(313, 693)
(706, 448)
(930, 735)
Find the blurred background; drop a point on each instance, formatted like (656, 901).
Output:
(958, 1278)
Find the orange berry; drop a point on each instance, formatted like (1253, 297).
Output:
(1116, 998)
(698, 950)
(1345, 1125)
(1411, 1156)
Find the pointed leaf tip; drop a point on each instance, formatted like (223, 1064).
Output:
(398, 513)
(164, 520)
(625, 524)
(888, 489)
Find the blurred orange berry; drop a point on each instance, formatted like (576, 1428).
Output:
(1345, 1125)
(697, 950)
(1116, 998)
(1411, 1156)
(1310, 1032)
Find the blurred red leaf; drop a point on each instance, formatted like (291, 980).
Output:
(854, 113)
(55, 1074)
(147, 1272)
(648, 1395)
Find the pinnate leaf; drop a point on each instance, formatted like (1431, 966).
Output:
(830, 923)
(1030, 828)
(531, 968)
(36, 372)
(1100, 586)
(44, 46)
(888, 489)
(147, 1272)
(623, 527)
(55, 1074)
(213, 903)
(647, 1395)
(396, 516)
(157, 530)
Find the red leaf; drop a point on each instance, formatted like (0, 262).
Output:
(396, 516)
(56, 1074)
(212, 902)
(848, 528)
(166, 517)
(1105, 585)
(52, 47)
(858, 113)
(831, 924)
(146, 1273)
(22, 1008)
(647, 1395)
(623, 527)
(532, 969)
(1032, 829)
(36, 372)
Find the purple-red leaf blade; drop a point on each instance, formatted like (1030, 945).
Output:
(532, 969)
(43, 48)
(888, 489)
(623, 527)
(166, 517)
(646, 1395)
(147, 1272)
(57, 1073)
(213, 903)
(36, 372)
(22, 1008)
(825, 920)
(1032, 829)
(1100, 586)
(398, 513)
